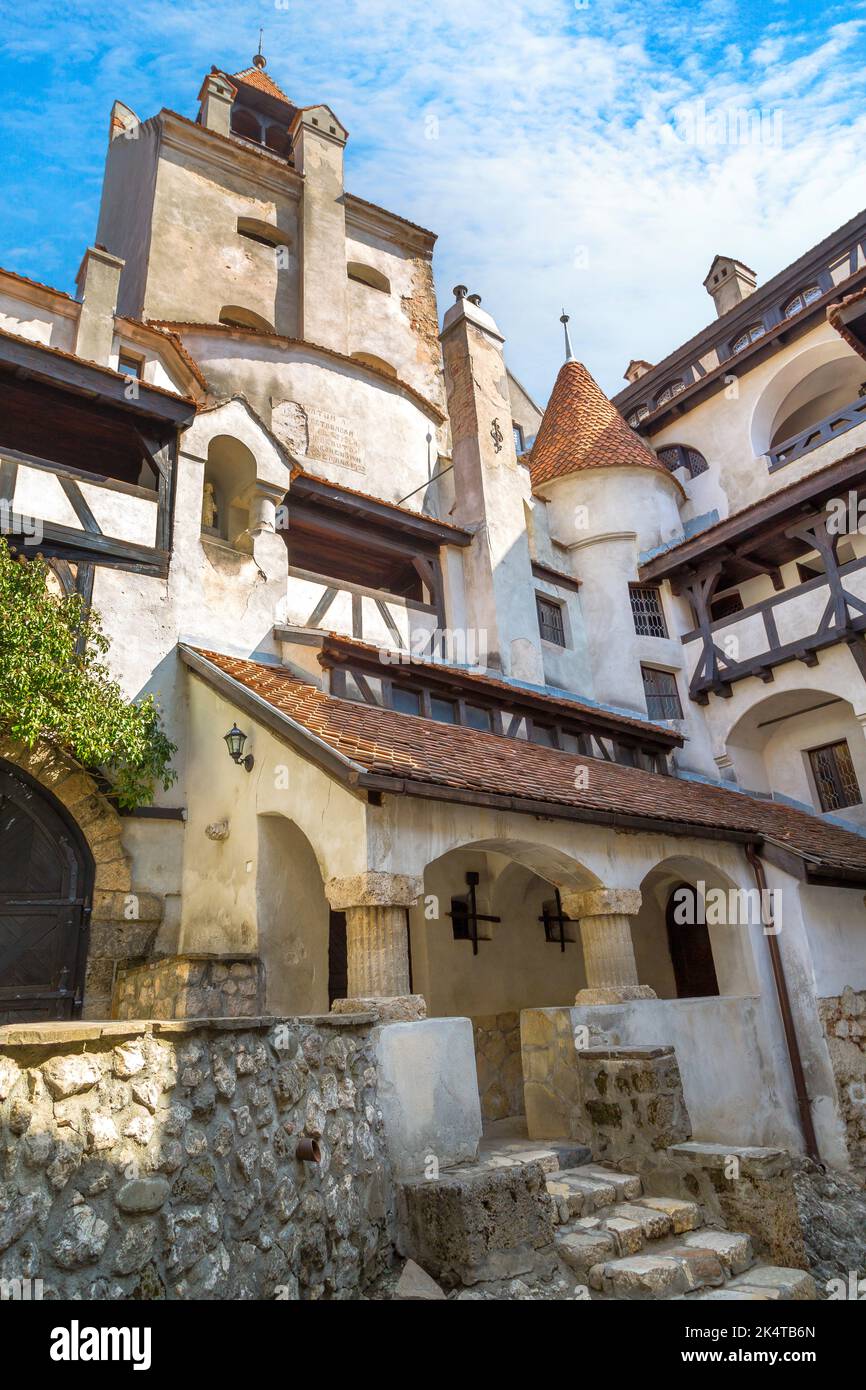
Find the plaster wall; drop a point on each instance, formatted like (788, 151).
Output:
(38, 324)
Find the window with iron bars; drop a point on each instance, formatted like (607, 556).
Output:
(835, 778)
(550, 623)
(662, 696)
(646, 607)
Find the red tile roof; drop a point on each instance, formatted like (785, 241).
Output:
(581, 429)
(262, 81)
(420, 753)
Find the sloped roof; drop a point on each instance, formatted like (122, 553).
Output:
(582, 429)
(262, 81)
(383, 749)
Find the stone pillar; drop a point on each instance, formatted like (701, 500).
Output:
(318, 142)
(608, 951)
(216, 97)
(98, 282)
(377, 941)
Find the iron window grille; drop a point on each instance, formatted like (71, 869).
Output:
(646, 607)
(751, 335)
(675, 456)
(726, 606)
(550, 623)
(835, 778)
(662, 696)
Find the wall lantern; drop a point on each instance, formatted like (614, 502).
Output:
(235, 741)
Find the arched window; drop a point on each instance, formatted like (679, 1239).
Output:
(800, 300)
(751, 335)
(277, 139)
(637, 415)
(235, 316)
(254, 229)
(675, 456)
(668, 392)
(368, 275)
(246, 124)
(371, 360)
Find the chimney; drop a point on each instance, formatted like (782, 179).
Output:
(216, 97)
(729, 282)
(637, 368)
(98, 282)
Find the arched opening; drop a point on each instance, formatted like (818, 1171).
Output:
(693, 934)
(368, 275)
(294, 920)
(277, 139)
(229, 472)
(46, 888)
(255, 229)
(371, 360)
(804, 745)
(236, 316)
(244, 123)
(487, 942)
(808, 388)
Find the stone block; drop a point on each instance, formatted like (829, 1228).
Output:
(428, 1093)
(478, 1222)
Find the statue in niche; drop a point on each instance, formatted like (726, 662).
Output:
(209, 511)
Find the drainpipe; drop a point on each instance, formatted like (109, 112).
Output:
(799, 1076)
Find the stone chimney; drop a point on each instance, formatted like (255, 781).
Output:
(489, 486)
(729, 282)
(637, 368)
(216, 97)
(98, 282)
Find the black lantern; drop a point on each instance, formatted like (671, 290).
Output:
(235, 741)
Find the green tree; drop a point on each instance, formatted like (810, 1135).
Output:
(54, 684)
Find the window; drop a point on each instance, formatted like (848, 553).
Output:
(236, 316)
(445, 711)
(254, 229)
(835, 778)
(519, 442)
(544, 734)
(477, 717)
(725, 606)
(673, 388)
(640, 414)
(799, 302)
(675, 456)
(130, 365)
(751, 335)
(662, 696)
(406, 701)
(368, 275)
(245, 123)
(460, 918)
(646, 607)
(550, 623)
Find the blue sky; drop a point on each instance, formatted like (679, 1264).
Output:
(589, 154)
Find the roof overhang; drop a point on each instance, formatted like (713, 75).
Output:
(412, 526)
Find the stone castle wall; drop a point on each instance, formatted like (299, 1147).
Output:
(844, 1021)
(500, 1065)
(160, 1160)
(193, 986)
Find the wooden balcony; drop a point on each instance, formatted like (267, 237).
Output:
(385, 620)
(842, 420)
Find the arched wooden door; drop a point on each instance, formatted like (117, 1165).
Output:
(46, 879)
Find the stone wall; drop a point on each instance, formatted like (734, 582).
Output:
(500, 1065)
(634, 1099)
(192, 986)
(844, 1022)
(160, 1160)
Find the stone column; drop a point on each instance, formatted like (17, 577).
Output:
(608, 951)
(377, 941)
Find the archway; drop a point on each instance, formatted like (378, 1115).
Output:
(46, 889)
(294, 920)
(693, 934)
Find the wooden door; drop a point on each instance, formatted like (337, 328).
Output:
(45, 885)
(689, 943)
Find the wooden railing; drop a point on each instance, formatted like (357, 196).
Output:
(846, 418)
(371, 615)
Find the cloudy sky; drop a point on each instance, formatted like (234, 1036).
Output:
(592, 153)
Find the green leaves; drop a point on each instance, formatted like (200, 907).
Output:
(54, 684)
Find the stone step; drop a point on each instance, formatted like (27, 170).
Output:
(626, 1185)
(653, 1225)
(763, 1283)
(552, 1154)
(733, 1248)
(679, 1270)
(683, 1215)
(573, 1194)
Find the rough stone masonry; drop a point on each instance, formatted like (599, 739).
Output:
(160, 1159)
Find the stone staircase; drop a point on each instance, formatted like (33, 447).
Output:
(624, 1244)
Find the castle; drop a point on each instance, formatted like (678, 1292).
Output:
(481, 711)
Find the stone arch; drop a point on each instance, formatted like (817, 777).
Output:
(731, 923)
(293, 916)
(123, 923)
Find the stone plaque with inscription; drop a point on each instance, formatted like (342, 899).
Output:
(333, 440)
